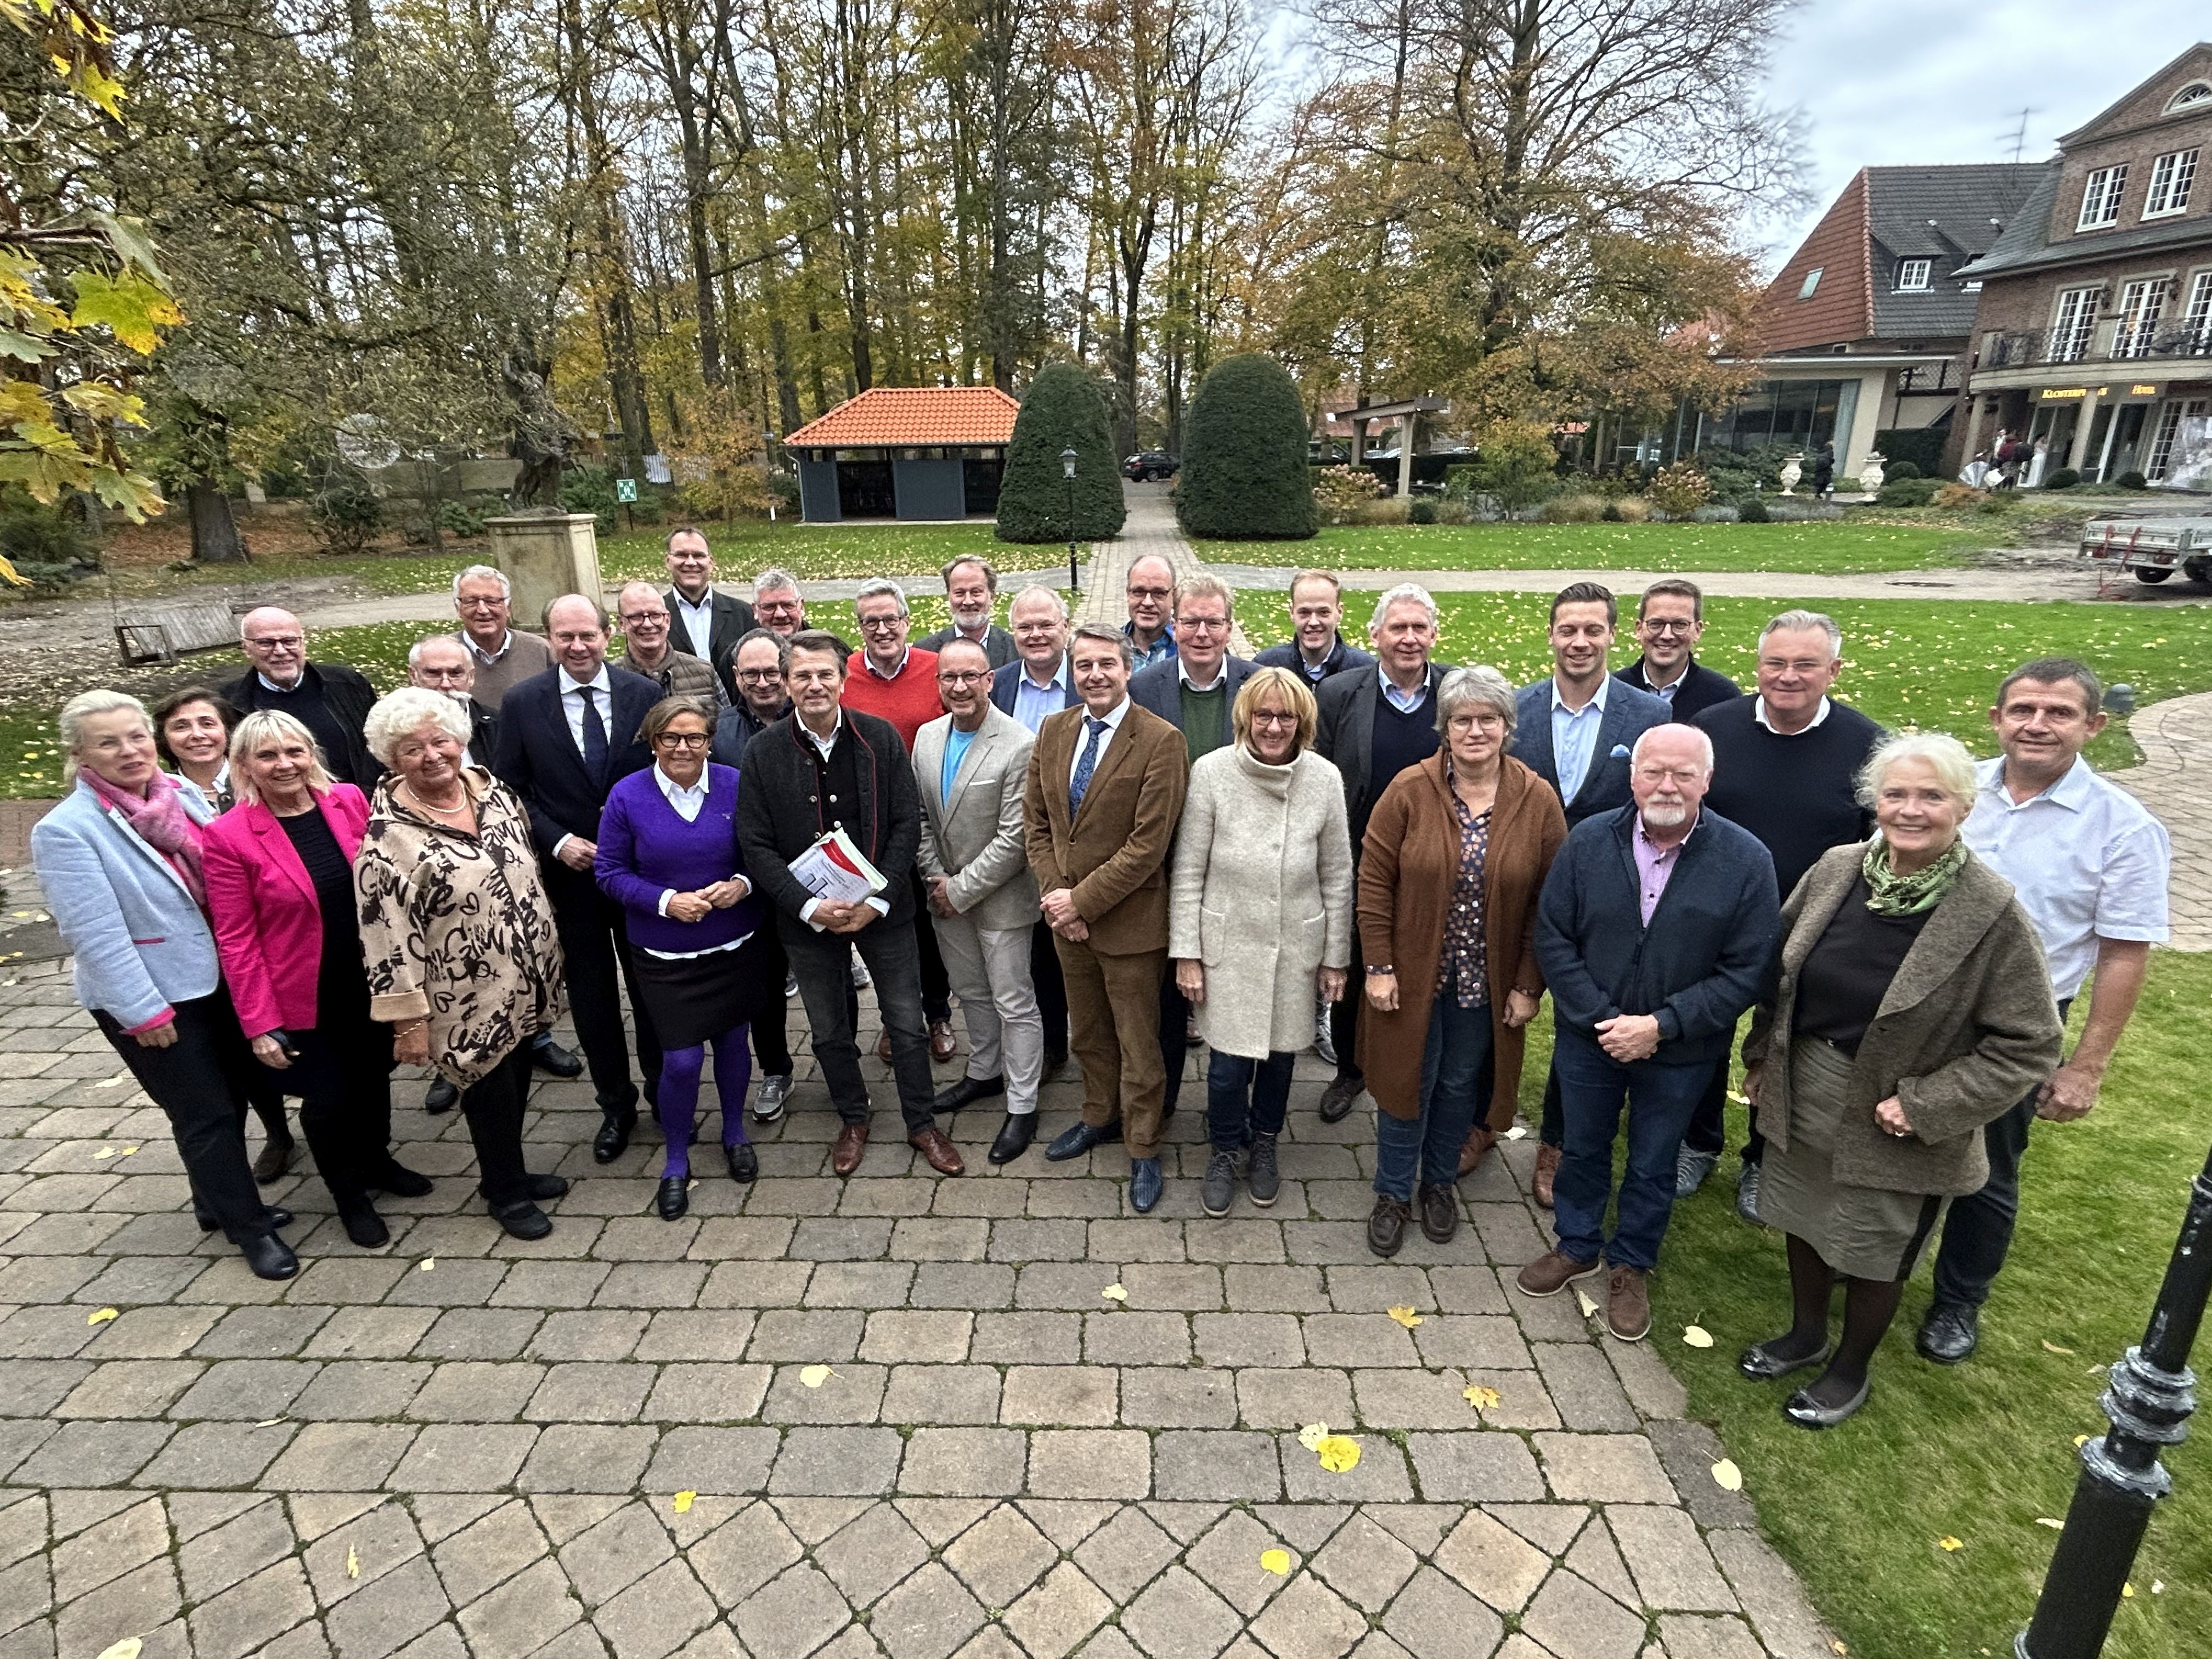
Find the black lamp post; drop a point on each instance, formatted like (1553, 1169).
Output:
(2148, 1397)
(1068, 472)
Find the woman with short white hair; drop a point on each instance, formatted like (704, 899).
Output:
(1911, 1007)
(463, 961)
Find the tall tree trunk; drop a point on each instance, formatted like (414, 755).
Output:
(216, 539)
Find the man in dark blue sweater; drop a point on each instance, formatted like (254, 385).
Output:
(1317, 647)
(1657, 928)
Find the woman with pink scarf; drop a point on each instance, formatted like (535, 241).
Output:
(119, 860)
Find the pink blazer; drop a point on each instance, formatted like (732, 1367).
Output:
(268, 926)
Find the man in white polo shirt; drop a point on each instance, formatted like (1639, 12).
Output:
(2089, 863)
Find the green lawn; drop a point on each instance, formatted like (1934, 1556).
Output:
(1846, 548)
(1981, 1452)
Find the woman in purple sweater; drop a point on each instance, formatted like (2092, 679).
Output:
(668, 854)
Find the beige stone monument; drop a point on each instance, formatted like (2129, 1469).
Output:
(545, 554)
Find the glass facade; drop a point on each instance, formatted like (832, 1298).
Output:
(1803, 414)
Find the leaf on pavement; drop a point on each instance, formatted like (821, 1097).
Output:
(1697, 1336)
(815, 1376)
(1516, 1133)
(105, 1152)
(1582, 1301)
(1312, 1434)
(1727, 1476)
(1405, 1316)
(102, 1316)
(1115, 1293)
(1482, 1399)
(1275, 1561)
(1337, 1453)
(426, 1264)
(682, 1502)
(353, 1562)
(126, 1649)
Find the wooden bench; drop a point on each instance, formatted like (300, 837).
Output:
(162, 634)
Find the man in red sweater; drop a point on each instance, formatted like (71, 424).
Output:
(897, 683)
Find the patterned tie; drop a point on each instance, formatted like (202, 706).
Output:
(1081, 781)
(595, 735)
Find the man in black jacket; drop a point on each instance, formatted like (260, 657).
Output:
(1317, 648)
(824, 767)
(704, 621)
(330, 699)
(1670, 620)
(1656, 928)
(567, 737)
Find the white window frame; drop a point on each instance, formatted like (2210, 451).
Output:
(2171, 176)
(1915, 276)
(2073, 324)
(2196, 316)
(2143, 302)
(2101, 198)
(1806, 288)
(2160, 459)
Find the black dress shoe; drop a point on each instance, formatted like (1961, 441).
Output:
(440, 1097)
(1079, 1139)
(968, 1089)
(550, 1058)
(673, 1198)
(545, 1186)
(1949, 1333)
(1337, 1099)
(613, 1138)
(270, 1256)
(401, 1181)
(1761, 1364)
(362, 1222)
(522, 1218)
(743, 1162)
(1807, 1413)
(1014, 1137)
(276, 1218)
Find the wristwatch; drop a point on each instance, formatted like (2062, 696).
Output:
(1381, 967)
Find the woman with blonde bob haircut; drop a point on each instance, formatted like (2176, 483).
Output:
(1259, 917)
(1910, 1008)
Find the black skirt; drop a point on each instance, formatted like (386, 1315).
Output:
(695, 999)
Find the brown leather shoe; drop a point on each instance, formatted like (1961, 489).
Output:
(883, 1046)
(1480, 1140)
(944, 1156)
(1439, 1203)
(1547, 1167)
(1553, 1272)
(272, 1160)
(852, 1142)
(942, 1047)
(1386, 1225)
(1627, 1304)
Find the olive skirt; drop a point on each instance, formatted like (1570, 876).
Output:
(1862, 1232)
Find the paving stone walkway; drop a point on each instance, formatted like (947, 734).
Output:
(461, 1444)
(1150, 531)
(2175, 781)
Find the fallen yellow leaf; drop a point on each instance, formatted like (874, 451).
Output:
(2047, 1520)
(1516, 1133)
(105, 1152)
(353, 1562)
(815, 1376)
(1836, 1645)
(1697, 1336)
(1582, 1301)
(426, 1264)
(2127, 1590)
(2049, 1347)
(2158, 1587)
(126, 1649)
(682, 1502)
(1312, 1434)
(1275, 1561)
(1115, 1293)
(1727, 1476)
(1481, 1399)
(1949, 1545)
(1405, 1316)
(1337, 1453)
(102, 1316)
(128, 1150)
(2080, 1440)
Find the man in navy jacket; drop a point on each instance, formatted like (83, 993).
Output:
(1657, 928)
(1670, 620)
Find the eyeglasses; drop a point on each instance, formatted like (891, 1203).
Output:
(1802, 666)
(1666, 625)
(761, 676)
(682, 739)
(1270, 717)
(442, 676)
(1201, 624)
(279, 641)
(959, 678)
(482, 603)
(881, 624)
(632, 618)
(1648, 774)
(1150, 592)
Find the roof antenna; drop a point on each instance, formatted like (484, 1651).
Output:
(2019, 134)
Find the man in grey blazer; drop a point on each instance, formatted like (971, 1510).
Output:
(971, 768)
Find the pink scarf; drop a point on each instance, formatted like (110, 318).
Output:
(161, 821)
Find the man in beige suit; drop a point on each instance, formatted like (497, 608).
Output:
(1105, 788)
(970, 766)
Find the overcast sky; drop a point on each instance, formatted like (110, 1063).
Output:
(1889, 82)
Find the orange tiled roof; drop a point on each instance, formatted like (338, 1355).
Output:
(909, 415)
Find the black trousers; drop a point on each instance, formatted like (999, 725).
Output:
(823, 964)
(1709, 1123)
(936, 983)
(344, 1079)
(493, 1107)
(771, 1021)
(1174, 1044)
(1344, 1016)
(1051, 990)
(593, 939)
(199, 1081)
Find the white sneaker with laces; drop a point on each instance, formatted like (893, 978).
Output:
(770, 1098)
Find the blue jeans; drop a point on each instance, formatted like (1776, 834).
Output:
(1451, 1076)
(1245, 1097)
(1661, 1098)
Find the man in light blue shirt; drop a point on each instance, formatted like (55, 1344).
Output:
(1037, 685)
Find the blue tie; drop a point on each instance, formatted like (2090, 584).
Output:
(1081, 781)
(595, 735)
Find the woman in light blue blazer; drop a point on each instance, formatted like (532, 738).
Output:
(118, 858)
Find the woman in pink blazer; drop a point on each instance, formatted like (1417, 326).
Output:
(281, 897)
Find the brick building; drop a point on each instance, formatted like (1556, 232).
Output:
(2094, 332)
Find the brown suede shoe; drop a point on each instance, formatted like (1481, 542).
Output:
(1547, 1167)
(1386, 1226)
(1627, 1304)
(1480, 1140)
(1439, 1202)
(942, 1047)
(852, 1142)
(943, 1156)
(1553, 1272)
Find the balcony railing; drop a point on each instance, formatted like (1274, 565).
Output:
(2107, 341)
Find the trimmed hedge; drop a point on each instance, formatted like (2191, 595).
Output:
(1923, 446)
(1245, 473)
(1062, 410)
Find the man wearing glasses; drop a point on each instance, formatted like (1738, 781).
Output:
(647, 650)
(777, 603)
(481, 599)
(330, 699)
(1150, 592)
(1670, 620)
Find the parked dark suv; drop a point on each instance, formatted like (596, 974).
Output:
(1150, 465)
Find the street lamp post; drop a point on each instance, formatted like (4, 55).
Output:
(2148, 1397)
(1068, 472)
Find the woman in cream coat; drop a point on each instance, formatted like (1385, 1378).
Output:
(1260, 914)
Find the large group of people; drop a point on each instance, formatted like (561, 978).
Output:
(1113, 844)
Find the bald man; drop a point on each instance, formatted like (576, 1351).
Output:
(330, 699)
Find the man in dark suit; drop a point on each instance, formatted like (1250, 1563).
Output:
(1040, 687)
(1192, 692)
(330, 699)
(971, 588)
(1317, 648)
(824, 767)
(1374, 722)
(704, 620)
(565, 736)
(1670, 620)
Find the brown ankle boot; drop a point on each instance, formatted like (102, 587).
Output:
(1480, 1140)
(1547, 1167)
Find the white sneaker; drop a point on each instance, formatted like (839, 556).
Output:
(860, 979)
(790, 986)
(768, 1099)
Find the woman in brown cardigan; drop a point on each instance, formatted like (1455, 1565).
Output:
(1456, 854)
(1910, 1008)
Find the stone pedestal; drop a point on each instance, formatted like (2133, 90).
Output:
(545, 554)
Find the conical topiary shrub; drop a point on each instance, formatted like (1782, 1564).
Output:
(1245, 474)
(1062, 410)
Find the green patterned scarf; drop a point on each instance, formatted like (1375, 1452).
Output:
(1893, 895)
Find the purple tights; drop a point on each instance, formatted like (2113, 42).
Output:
(680, 1069)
